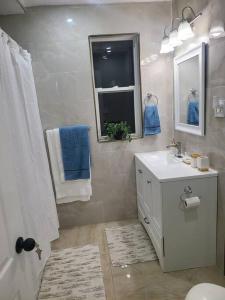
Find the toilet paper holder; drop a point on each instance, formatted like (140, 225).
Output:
(186, 194)
(188, 200)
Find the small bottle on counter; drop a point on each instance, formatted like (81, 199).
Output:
(203, 163)
(194, 157)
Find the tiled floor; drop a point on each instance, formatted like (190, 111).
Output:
(143, 281)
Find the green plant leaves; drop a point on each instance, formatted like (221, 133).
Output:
(118, 131)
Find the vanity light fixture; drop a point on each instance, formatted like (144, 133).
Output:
(185, 31)
(165, 44)
(174, 39)
(173, 36)
(217, 30)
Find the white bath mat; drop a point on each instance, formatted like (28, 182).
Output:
(73, 274)
(129, 244)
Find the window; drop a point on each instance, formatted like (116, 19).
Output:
(116, 82)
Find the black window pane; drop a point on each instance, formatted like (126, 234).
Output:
(113, 63)
(116, 107)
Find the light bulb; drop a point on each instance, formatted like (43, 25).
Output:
(185, 31)
(174, 39)
(165, 46)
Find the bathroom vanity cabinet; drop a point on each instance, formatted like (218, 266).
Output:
(183, 237)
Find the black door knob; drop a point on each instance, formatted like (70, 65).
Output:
(27, 245)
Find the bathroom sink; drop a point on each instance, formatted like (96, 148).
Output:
(166, 167)
(161, 158)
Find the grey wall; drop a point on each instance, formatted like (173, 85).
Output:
(62, 71)
(213, 143)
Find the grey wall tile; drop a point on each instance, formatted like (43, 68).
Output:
(62, 70)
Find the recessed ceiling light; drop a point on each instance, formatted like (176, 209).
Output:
(69, 20)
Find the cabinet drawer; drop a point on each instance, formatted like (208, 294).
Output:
(155, 237)
(143, 216)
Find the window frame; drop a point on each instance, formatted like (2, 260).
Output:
(138, 110)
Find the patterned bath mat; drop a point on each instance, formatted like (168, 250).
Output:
(129, 244)
(73, 274)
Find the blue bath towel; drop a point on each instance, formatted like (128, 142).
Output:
(75, 152)
(193, 113)
(151, 120)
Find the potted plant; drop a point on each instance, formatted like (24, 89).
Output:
(118, 131)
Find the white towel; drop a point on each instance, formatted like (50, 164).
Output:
(66, 191)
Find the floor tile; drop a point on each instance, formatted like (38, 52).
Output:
(142, 281)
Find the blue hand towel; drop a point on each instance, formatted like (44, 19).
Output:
(193, 113)
(75, 152)
(151, 120)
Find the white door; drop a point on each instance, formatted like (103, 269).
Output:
(14, 270)
(12, 273)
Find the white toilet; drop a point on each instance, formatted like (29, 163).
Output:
(206, 291)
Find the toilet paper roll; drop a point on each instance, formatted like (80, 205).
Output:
(191, 202)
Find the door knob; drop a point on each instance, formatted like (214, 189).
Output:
(27, 245)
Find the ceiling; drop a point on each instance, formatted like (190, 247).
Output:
(17, 6)
(10, 7)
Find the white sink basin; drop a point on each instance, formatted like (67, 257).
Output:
(161, 158)
(166, 167)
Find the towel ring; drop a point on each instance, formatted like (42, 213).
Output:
(150, 98)
(193, 93)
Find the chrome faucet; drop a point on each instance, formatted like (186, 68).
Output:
(176, 145)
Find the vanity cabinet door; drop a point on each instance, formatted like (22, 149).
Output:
(140, 180)
(153, 203)
(157, 206)
(148, 199)
(149, 205)
(143, 193)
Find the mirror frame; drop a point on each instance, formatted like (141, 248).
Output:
(196, 130)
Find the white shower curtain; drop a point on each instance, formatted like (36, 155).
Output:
(21, 127)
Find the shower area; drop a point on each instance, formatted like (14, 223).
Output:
(28, 217)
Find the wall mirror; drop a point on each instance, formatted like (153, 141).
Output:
(116, 82)
(189, 91)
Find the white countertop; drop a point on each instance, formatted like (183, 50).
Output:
(166, 167)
